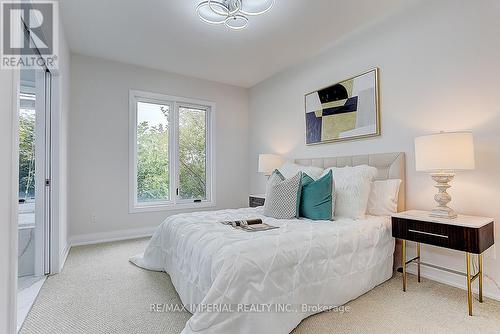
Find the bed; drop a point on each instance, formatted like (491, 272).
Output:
(267, 282)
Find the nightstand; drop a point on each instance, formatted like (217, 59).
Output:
(256, 200)
(470, 234)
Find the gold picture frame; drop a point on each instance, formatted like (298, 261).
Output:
(344, 111)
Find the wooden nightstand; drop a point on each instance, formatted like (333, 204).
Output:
(256, 200)
(469, 234)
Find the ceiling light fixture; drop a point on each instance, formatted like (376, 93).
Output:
(232, 13)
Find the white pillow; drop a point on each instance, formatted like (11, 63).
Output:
(352, 189)
(383, 199)
(289, 170)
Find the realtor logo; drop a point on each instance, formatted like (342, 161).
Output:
(29, 36)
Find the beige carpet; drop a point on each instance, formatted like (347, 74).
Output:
(99, 291)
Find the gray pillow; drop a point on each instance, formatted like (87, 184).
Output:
(282, 196)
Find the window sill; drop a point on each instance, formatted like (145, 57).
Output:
(171, 207)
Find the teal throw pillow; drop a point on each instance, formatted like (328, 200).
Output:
(317, 197)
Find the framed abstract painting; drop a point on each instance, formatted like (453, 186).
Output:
(344, 111)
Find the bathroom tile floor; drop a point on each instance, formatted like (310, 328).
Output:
(27, 291)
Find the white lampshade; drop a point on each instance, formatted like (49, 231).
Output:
(269, 162)
(445, 151)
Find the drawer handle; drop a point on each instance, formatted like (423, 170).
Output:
(428, 233)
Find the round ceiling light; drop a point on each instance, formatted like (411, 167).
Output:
(236, 22)
(232, 13)
(228, 7)
(256, 7)
(208, 15)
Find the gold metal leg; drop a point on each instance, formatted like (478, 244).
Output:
(418, 263)
(469, 289)
(480, 257)
(403, 262)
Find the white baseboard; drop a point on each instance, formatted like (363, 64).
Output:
(96, 238)
(457, 281)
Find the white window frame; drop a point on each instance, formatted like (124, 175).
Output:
(174, 102)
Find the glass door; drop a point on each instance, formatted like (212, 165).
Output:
(34, 174)
(35, 91)
(34, 187)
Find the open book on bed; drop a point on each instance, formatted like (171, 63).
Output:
(249, 225)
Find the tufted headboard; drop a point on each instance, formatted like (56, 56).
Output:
(389, 165)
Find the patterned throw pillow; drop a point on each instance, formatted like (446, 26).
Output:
(282, 196)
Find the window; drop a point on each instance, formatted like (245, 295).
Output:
(171, 162)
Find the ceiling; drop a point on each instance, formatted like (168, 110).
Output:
(167, 35)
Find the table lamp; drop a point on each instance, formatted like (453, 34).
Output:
(441, 155)
(269, 162)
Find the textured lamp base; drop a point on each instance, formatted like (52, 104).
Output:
(442, 197)
(448, 213)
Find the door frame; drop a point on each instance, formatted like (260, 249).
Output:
(14, 225)
(56, 215)
(42, 171)
(55, 255)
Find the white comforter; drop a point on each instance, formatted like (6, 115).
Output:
(275, 274)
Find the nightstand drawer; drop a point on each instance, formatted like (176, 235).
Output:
(420, 231)
(256, 201)
(456, 237)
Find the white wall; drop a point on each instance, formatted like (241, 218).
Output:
(98, 150)
(8, 229)
(439, 70)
